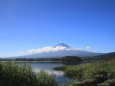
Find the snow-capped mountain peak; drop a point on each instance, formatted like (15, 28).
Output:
(62, 45)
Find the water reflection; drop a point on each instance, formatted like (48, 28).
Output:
(71, 63)
(50, 72)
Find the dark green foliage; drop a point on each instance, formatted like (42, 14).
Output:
(100, 78)
(12, 75)
(78, 84)
(71, 58)
(22, 75)
(103, 84)
(111, 82)
(107, 56)
(45, 79)
(99, 71)
(62, 68)
(111, 75)
(74, 72)
(90, 82)
(86, 71)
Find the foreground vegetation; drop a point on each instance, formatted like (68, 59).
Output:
(91, 74)
(22, 75)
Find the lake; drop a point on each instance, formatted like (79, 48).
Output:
(48, 67)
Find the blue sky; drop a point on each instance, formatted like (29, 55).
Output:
(34, 24)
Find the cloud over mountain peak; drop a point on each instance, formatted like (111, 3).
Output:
(59, 47)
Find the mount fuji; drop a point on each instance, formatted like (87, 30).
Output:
(59, 51)
(62, 45)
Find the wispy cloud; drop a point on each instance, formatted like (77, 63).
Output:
(88, 48)
(21, 52)
(46, 49)
(52, 49)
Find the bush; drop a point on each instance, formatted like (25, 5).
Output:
(17, 75)
(111, 75)
(78, 84)
(86, 71)
(71, 58)
(103, 84)
(111, 82)
(74, 72)
(23, 75)
(46, 80)
(93, 69)
(90, 82)
(100, 78)
(62, 68)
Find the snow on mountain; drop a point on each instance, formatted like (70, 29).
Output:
(62, 45)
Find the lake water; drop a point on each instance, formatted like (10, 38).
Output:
(48, 67)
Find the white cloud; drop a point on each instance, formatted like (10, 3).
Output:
(77, 48)
(47, 49)
(21, 52)
(88, 48)
(51, 49)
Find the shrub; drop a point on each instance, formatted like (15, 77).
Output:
(100, 78)
(78, 84)
(23, 75)
(103, 84)
(62, 68)
(12, 75)
(111, 75)
(74, 72)
(86, 71)
(90, 82)
(71, 58)
(111, 82)
(94, 69)
(46, 80)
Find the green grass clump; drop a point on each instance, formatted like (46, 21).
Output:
(103, 84)
(71, 83)
(23, 75)
(62, 68)
(90, 82)
(100, 78)
(99, 71)
(89, 70)
(74, 72)
(78, 84)
(86, 71)
(45, 79)
(111, 82)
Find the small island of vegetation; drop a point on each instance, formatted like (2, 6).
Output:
(71, 59)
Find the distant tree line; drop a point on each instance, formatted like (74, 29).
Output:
(66, 58)
(71, 58)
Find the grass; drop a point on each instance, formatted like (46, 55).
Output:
(89, 70)
(101, 71)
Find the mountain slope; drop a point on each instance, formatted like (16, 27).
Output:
(106, 56)
(62, 53)
(59, 51)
